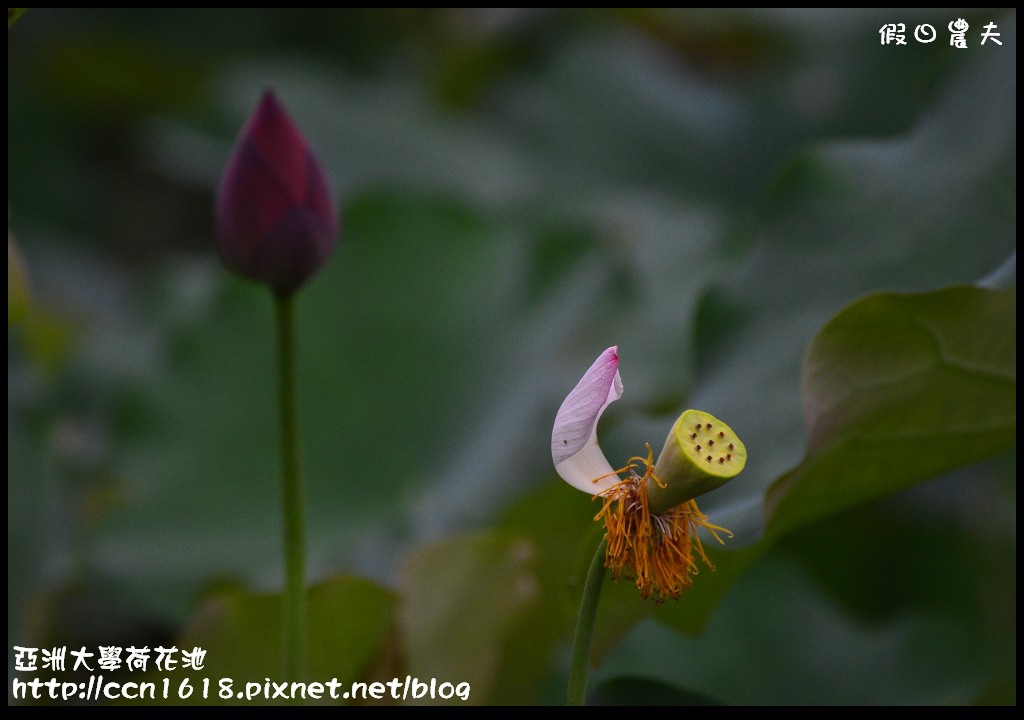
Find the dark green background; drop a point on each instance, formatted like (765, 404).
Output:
(520, 190)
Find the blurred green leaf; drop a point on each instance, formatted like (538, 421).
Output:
(523, 581)
(897, 556)
(778, 640)
(462, 601)
(898, 389)
(349, 623)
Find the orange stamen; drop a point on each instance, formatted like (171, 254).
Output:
(656, 552)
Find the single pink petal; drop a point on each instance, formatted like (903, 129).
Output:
(574, 449)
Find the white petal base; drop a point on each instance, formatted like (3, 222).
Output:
(582, 469)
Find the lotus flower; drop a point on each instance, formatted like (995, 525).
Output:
(651, 517)
(275, 220)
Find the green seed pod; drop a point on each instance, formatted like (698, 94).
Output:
(701, 453)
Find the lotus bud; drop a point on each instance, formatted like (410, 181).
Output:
(276, 222)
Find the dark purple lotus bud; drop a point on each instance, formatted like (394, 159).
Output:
(276, 222)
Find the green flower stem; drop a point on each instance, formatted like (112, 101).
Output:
(579, 664)
(292, 494)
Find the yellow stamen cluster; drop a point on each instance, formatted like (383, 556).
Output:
(654, 551)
